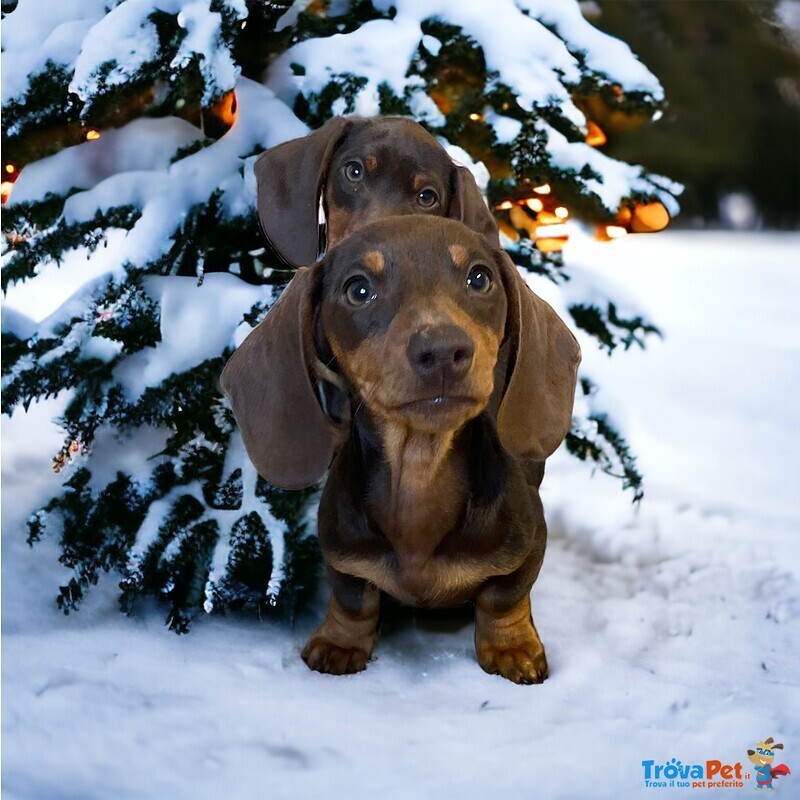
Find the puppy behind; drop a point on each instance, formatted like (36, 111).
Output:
(360, 171)
(434, 444)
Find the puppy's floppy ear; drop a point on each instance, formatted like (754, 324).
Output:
(289, 178)
(469, 207)
(536, 407)
(288, 437)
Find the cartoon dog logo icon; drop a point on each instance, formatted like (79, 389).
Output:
(762, 757)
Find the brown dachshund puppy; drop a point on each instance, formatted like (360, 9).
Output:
(359, 171)
(381, 362)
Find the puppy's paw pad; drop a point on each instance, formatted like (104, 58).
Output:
(324, 656)
(519, 664)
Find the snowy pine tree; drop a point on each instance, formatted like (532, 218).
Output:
(133, 262)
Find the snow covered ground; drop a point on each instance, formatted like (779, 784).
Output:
(672, 630)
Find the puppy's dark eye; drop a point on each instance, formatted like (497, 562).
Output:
(354, 171)
(479, 280)
(427, 198)
(359, 291)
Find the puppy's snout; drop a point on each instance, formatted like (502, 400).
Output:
(444, 350)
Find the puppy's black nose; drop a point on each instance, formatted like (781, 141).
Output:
(444, 350)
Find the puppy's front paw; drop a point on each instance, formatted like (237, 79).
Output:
(521, 662)
(507, 644)
(325, 656)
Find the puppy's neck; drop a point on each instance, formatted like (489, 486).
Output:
(415, 458)
(420, 492)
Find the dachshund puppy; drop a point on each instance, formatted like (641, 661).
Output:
(352, 172)
(381, 363)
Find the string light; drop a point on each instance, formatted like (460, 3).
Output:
(226, 110)
(475, 117)
(556, 231)
(548, 218)
(649, 218)
(615, 231)
(594, 134)
(10, 168)
(542, 219)
(5, 190)
(92, 134)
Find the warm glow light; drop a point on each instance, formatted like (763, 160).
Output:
(615, 231)
(475, 117)
(504, 206)
(594, 134)
(552, 231)
(92, 134)
(561, 212)
(543, 189)
(5, 190)
(226, 110)
(649, 218)
(534, 204)
(551, 245)
(548, 218)
(10, 168)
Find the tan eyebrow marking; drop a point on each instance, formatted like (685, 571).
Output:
(459, 254)
(374, 261)
(370, 162)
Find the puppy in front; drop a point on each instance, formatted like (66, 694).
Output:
(381, 364)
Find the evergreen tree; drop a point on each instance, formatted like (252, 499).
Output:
(132, 247)
(733, 80)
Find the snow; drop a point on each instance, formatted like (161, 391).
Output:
(603, 53)
(40, 30)
(671, 630)
(127, 38)
(618, 180)
(197, 323)
(144, 144)
(60, 291)
(527, 56)
(363, 52)
(139, 173)
(204, 29)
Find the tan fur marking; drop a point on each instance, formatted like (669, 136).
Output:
(436, 581)
(344, 642)
(371, 163)
(421, 182)
(508, 644)
(459, 254)
(374, 261)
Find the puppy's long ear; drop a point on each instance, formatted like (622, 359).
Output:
(469, 207)
(536, 407)
(288, 437)
(289, 178)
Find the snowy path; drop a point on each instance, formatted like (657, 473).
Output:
(672, 631)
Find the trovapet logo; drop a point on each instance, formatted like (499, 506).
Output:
(716, 774)
(711, 774)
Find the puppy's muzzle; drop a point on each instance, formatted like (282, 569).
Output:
(441, 355)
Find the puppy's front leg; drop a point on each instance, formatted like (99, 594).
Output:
(344, 641)
(506, 641)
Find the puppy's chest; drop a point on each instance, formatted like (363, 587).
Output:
(424, 551)
(434, 581)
